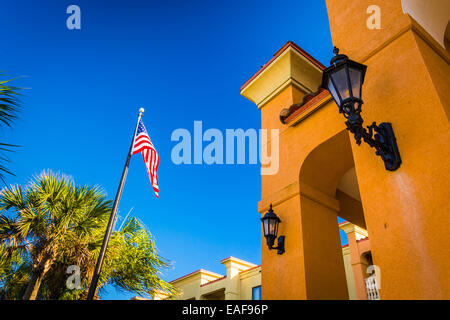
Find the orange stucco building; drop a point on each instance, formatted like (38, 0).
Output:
(323, 173)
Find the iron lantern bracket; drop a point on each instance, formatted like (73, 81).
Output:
(381, 137)
(280, 246)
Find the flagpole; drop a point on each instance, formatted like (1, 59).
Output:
(112, 217)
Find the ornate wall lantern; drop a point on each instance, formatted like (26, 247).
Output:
(344, 79)
(270, 223)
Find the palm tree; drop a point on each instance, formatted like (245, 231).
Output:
(131, 264)
(43, 213)
(55, 223)
(9, 106)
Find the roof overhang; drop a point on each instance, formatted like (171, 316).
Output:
(291, 65)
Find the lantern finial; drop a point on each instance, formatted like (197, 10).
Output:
(337, 57)
(335, 50)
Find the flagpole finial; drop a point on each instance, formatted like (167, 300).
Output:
(141, 111)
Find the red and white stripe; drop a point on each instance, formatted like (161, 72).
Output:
(143, 144)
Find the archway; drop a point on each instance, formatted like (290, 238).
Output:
(329, 189)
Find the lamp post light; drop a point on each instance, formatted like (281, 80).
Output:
(270, 223)
(344, 79)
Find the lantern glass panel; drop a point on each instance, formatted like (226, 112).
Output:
(266, 227)
(277, 222)
(333, 92)
(356, 81)
(339, 77)
(272, 224)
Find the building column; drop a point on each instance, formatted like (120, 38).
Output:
(324, 263)
(312, 266)
(234, 266)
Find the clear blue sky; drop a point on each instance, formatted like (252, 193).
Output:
(180, 60)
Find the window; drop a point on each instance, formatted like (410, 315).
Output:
(256, 293)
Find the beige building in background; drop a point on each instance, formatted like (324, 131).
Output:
(241, 282)
(357, 259)
(243, 279)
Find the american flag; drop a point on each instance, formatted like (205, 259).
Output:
(143, 144)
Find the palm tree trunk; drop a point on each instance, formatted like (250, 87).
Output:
(33, 285)
(85, 294)
(37, 275)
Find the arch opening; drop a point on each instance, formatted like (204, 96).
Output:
(330, 194)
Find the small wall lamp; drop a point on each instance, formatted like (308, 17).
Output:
(344, 79)
(270, 223)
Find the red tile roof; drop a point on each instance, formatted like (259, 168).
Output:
(250, 269)
(297, 109)
(205, 284)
